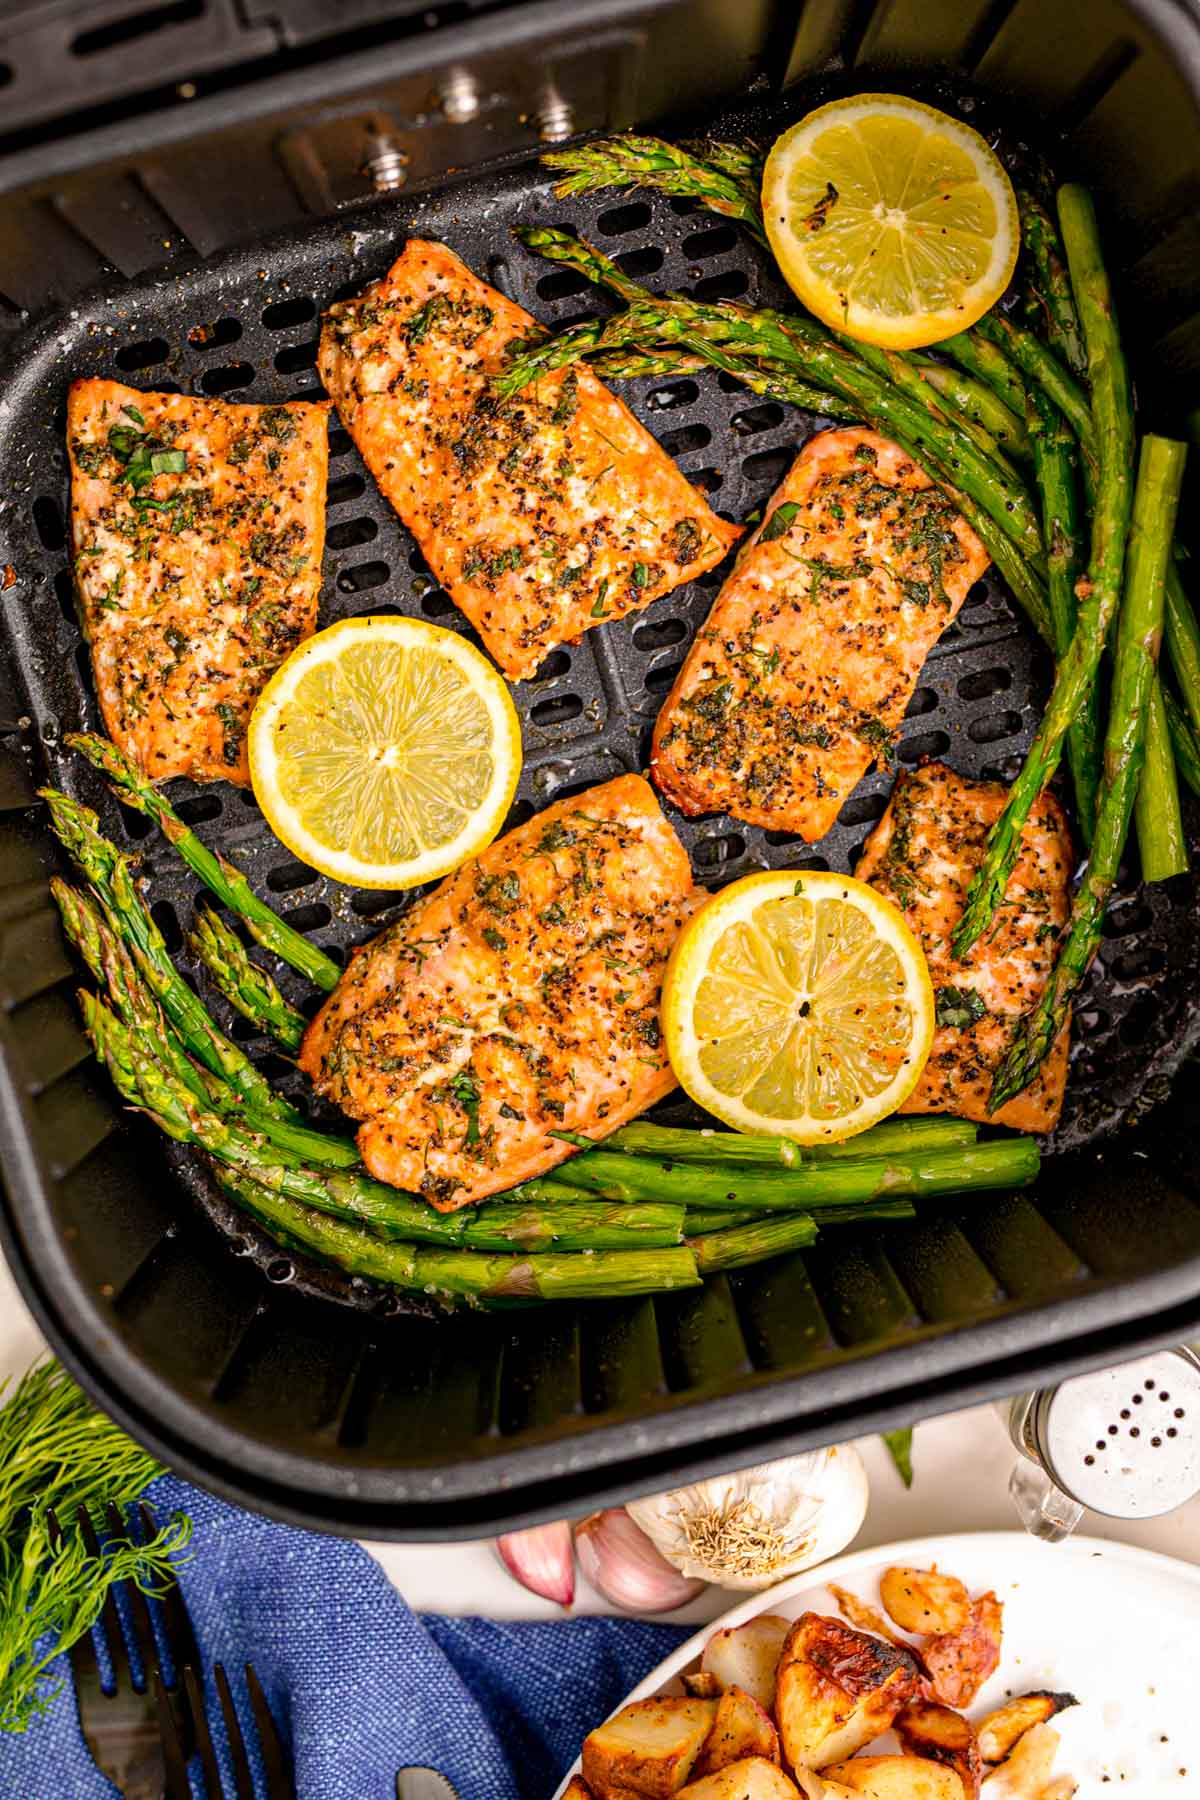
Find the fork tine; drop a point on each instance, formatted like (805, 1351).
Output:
(174, 1759)
(178, 1635)
(276, 1764)
(139, 1612)
(117, 1653)
(233, 1731)
(204, 1743)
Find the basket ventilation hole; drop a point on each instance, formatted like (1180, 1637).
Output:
(309, 918)
(924, 700)
(620, 220)
(561, 285)
(283, 314)
(714, 852)
(637, 263)
(1126, 921)
(660, 679)
(687, 437)
(281, 1270)
(288, 876)
(676, 393)
(704, 244)
(862, 809)
(295, 357)
(992, 728)
(558, 711)
(163, 914)
(926, 743)
(132, 357)
(350, 533)
(216, 335)
(728, 286)
(339, 443)
(346, 487)
(552, 666)
(48, 521)
(707, 480)
(362, 577)
(437, 605)
(199, 809)
(768, 466)
(658, 634)
(368, 903)
(983, 683)
(226, 378)
(757, 418)
(1138, 965)
(135, 25)
(64, 587)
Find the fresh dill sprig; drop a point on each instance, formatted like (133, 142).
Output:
(58, 1455)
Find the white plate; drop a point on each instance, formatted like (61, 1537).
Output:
(1116, 1626)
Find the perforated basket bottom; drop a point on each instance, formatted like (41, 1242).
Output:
(246, 326)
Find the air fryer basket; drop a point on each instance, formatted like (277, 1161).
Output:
(329, 1400)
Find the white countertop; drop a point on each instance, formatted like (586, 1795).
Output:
(961, 1463)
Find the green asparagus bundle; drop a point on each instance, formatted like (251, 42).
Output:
(220, 877)
(247, 988)
(1050, 284)
(1160, 472)
(727, 180)
(894, 1137)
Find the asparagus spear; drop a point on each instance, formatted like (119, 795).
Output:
(458, 1274)
(1184, 741)
(1162, 842)
(894, 1137)
(1040, 365)
(1051, 283)
(630, 161)
(699, 1219)
(1182, 634)
(975, 401)
(827, 1181)
(1054, 468)
(1160, 471)
(988, 364)
(227, 883)
(738, 1245)
(742, 163)
(110, 876)
(1075, 676)
(627, 365)
(246, 987)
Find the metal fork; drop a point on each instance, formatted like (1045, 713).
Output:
(275, 1762)
(121, 1729)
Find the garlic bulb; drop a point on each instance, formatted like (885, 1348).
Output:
(622, 1564)
(542, 1560)
(751, 1528)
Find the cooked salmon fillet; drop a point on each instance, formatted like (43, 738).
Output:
(542, 515)
(520, 998)
(197, 529)
(801, 674)
(922, 854)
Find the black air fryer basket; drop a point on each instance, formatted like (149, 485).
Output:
(176, 206)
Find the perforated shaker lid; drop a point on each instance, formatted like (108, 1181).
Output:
(1126, 1441)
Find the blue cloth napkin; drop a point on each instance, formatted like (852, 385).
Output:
(360, 1685)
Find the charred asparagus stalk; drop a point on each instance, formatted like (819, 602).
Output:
(1160, 471)
(724, 181)
(895, 1137)
(111, 879)
(1051, 284)
(455, 1274)
(1112, 422)
(220, 877)
(1184, 740)
(247, 988)
(739, 1245)
(699, 1219)
(1162, 841)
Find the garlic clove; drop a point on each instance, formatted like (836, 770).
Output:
(542, 1560)
(753, 1527)
(622, 1564)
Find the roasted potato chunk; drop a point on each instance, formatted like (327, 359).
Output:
(864, 1616)
(648, 1748)
(940, 1735)
(577, 1789)
(959, 1663)
(924, 1602)
(896, 1778)
(1027, 1770)
(752, 1779)
(702, 1684)
(836, 1689)
(1002, 1728)
(747, 1656)
(741, 1729)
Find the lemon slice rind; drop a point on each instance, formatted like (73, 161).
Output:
(747, 963)
(919, 195)
(445, 685)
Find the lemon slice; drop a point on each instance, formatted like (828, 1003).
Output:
(798, 1004)
(890, 220)
(385, 752)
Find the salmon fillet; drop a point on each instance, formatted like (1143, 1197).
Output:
(520, 998)
(542, 515)
(922, 854)
(197, 529)
(800, 676)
